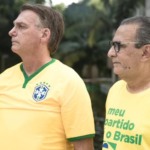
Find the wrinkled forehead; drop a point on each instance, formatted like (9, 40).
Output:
(126, 33)
(27, 16)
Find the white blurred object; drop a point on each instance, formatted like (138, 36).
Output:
(66, 2)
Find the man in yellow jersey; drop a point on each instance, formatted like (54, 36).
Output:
(127, 123)
(44, 104)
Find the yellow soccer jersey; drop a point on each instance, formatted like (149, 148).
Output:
(44, 111)
(127, 124)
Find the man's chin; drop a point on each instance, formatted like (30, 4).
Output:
(116, 71)
(14, 50)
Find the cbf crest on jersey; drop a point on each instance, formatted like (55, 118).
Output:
(40, 91)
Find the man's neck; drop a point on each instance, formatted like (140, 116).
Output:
(30, 66)
(138, 86)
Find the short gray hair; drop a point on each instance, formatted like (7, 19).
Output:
(143, 31)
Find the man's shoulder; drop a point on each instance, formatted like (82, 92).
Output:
(11, 70)
(65, 69)
(66, 73)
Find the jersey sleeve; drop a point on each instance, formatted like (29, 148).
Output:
(76, 111)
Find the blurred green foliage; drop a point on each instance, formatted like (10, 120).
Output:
(89, 25)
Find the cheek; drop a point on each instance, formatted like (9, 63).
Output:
(134, 60)
(29, 39)
(33, 38)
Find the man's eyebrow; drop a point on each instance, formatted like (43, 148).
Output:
(19, 22)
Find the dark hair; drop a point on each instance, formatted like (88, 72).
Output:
(51, 19)
(143, 30)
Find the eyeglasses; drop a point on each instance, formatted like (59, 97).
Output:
(118, 45)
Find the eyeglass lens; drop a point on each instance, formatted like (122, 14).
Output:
(116, 46)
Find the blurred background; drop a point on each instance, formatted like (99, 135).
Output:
(89, 26)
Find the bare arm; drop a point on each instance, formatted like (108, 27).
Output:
(85, 144)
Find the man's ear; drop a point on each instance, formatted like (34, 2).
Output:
(46, 33)
(146, 52)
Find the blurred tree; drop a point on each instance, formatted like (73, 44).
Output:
(89, 26)
(83, 33)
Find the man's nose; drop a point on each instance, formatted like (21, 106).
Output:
(111, 52)
(12, 32)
